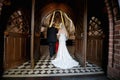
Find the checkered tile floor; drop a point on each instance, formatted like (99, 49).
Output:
(45, 68)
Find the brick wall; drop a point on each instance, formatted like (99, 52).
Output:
(114, 59)
(113, 70)
(116, 64)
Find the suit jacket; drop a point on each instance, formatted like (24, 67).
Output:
(52, 34)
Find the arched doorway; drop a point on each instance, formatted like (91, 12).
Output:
(45, 21)
(57, 18)
(93, 30)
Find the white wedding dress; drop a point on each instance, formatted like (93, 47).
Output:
(63, 59)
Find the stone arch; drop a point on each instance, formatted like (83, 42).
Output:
(47, 11)
(54, 6)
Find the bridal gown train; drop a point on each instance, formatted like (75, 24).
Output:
(63, 59)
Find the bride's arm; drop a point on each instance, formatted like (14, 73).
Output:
(58, 34)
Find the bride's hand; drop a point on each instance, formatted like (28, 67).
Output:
(58, 35)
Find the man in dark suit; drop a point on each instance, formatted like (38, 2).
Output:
(52, 38)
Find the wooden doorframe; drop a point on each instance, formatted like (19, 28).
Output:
(85, 32)
(81, 37)
(32, 34)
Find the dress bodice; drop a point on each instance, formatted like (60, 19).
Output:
(62, 37)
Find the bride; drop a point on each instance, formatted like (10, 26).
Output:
(63, 59)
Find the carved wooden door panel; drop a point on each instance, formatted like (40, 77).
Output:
(16, 41)
(15, 52)
(79, 54)
(81, 35)
(95, 42)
